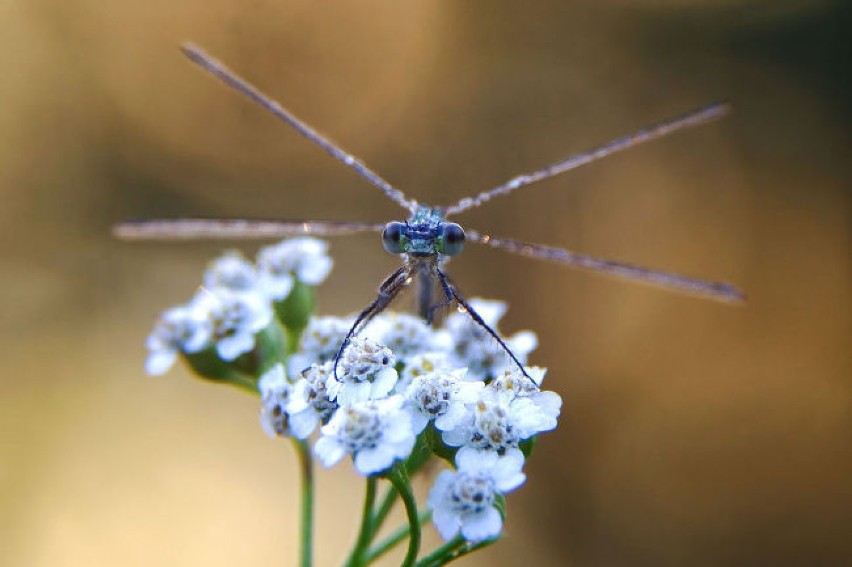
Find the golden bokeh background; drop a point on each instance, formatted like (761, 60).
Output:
(693, 433)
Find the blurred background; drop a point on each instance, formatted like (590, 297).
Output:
(693, 433)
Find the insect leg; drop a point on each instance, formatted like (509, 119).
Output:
(389, 289)
(450, 290)
(447, 286)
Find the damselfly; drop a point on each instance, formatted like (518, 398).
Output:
(427, 240)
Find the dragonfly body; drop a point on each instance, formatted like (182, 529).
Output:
(426, 240)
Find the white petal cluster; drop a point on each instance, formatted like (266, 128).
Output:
(310, 404)
(320, 342)
(374, 432)
(440, 397)
(179, 329)
(471, 346)
(403, 333)
(235, 302)
(234, 319)
(498, 422)
(464, 500)
(364, 372)
(512, 384)
(275, 392)
(398, 379)
(279, 265)
(231, 271)
(416, 365)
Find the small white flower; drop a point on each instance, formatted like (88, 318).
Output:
(231, 271)
(274, 393)
(440, 396)
(234, 319)
(464, 500)
(305, 259)
(512, 384)
(375, 433)
(420, 364)
(497, 423)
(364, 372)
(309, 403)
(404, 334)
(472, 346)
(320, 342)
(179, 329)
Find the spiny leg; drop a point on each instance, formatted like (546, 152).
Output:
(389, 289)
(446, 285)
(450, 291)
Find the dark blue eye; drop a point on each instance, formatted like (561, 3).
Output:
(392, 237)
(452, 236)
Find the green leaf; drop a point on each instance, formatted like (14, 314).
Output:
(295, 310)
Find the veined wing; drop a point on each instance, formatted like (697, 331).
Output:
(223, 229)
(694, 118)
(231, 79)
(719, 291)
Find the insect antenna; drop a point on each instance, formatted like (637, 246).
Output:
(451, 292)
(231, 79)
(694, 118)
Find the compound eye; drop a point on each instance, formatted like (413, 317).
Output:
(392, 237)
(453, 239)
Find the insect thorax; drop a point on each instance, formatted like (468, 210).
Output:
(423, 230)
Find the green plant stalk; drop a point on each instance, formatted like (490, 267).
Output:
(243, 383)
(437, 556)
(365, 533)
(419, 456)
(399, 479)
(384, 509)
(393, 539)
(307, 503)
(469, 548)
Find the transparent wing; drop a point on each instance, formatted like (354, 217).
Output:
(231, 79)
(222, 229)
(719, 291)
(694, 118)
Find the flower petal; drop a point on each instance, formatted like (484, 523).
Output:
(159, 362)
(328, 451)
(371, 461)
(484, 525)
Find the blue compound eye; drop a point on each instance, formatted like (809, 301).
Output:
(392, 237)
(453, 239)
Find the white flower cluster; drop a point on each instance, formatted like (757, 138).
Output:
(235, 302)
(400, 377)
(398, 383)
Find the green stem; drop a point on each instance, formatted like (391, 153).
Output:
(399, 479)
(307, 504)
(384, 509)
(365, 534)
(419, 455)
(392, 540)
(243, 383)
(437, 556)
(469, 548)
